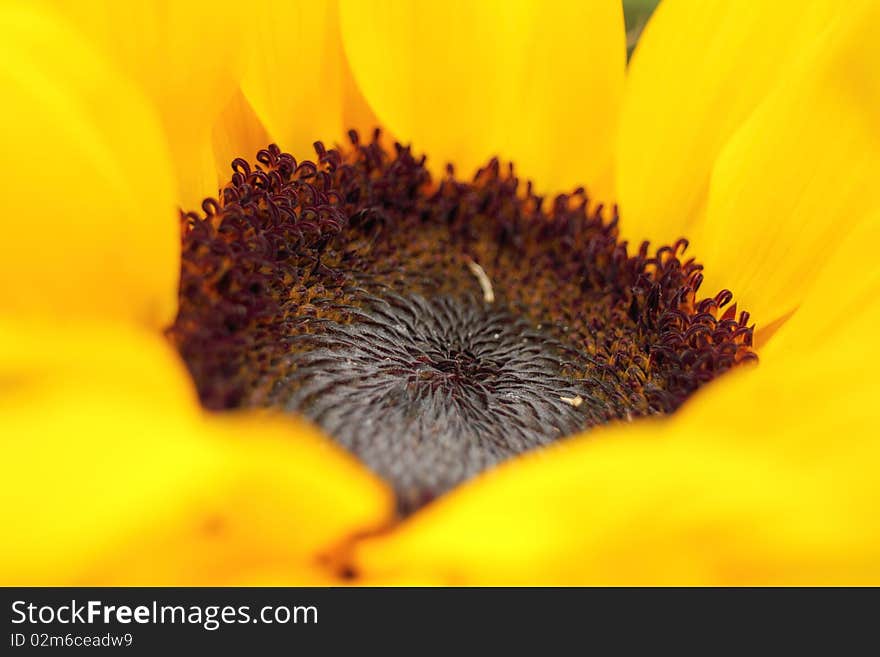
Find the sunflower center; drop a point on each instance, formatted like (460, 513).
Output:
(435, 329)
(430, 392)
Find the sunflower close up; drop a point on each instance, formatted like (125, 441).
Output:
(373, 292)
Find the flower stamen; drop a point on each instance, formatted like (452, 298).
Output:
(335, 289)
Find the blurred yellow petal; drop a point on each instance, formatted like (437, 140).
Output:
(356, 111)
(799, 174)
(111, 474)
(186, 55)
(844, 297)
(766, 486)
(237, 133)
(537, 83)
(89, 221)
(699, 71)
(293, 76)
(641, 506)
(281, 504)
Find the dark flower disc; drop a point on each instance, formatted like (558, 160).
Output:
(436, 328)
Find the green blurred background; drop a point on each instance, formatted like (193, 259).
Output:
(636, 13)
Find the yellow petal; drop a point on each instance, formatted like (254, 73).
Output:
(237, 133)
(537, 83)
(844, 298)
(799, 174)
(186, 55)
(699, 71)
(88, 220)
(685, 501)
(111, 474)
(356, 111)
(293, 77)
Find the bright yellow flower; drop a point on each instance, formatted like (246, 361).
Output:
(751, 128)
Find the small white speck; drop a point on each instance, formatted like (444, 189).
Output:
(574, 401)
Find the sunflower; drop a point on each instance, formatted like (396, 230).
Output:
(219, 408)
